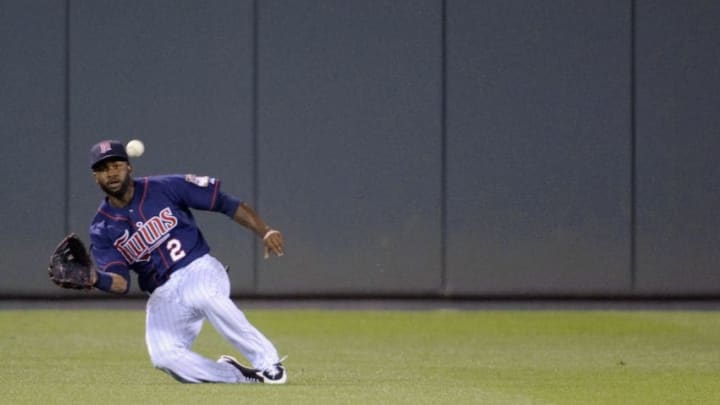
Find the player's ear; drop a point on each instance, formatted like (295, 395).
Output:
(129, 168)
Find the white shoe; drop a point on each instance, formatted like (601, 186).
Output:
(275, 374)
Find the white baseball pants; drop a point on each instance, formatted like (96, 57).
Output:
(175, 314)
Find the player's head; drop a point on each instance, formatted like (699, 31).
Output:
(111, 167)
(107, 150)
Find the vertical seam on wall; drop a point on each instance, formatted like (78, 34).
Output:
(255, 141)
(443, 148)
(633, 151)
(66, 129)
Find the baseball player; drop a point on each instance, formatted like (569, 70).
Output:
(146, 225)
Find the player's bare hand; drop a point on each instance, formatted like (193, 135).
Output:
(274, 244)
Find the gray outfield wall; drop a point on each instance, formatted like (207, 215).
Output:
(405, 147)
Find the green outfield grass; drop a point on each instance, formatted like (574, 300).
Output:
(380, 357)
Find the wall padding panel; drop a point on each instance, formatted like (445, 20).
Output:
(538, 147)
(349, 102)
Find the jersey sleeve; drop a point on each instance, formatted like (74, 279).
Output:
(105, 256)
(202, 193)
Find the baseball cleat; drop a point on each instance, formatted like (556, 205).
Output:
(251, 375)
(275, 374)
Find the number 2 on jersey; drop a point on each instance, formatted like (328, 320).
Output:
(175, 248)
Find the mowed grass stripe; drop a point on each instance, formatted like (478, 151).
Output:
(383, 357)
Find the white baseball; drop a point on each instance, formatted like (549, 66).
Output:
(135, 148)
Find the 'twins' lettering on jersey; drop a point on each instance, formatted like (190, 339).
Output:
(148, 237)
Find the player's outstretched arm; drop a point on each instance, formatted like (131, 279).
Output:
(272, 238)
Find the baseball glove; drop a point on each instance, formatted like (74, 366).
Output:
(70, 264)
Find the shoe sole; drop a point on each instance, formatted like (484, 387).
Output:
(278, 382)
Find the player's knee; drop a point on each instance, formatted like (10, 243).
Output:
(163, 360)
(170, 364)
(176, 376)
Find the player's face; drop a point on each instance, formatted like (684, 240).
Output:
(113, 177)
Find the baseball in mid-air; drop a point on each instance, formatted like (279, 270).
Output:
(135, 148)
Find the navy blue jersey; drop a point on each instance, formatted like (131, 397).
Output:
(156, 232)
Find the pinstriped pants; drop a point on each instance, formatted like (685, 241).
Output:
(175, 314)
